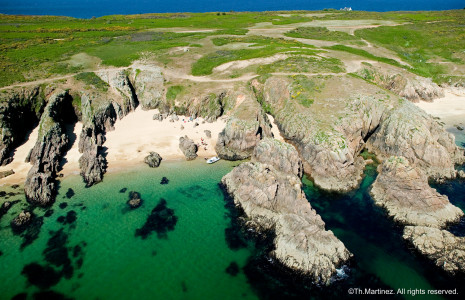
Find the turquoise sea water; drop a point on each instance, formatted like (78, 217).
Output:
(88, 248)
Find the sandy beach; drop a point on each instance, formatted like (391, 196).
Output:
(450, 109)
(133, 138)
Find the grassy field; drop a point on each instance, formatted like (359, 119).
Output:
(33, 47)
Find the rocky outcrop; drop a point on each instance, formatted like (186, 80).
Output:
(441, 246)
(153, 159)
(20, 111)
(52, 143)
(282, 156)
(98, 118)
(188, 147)
(135, 200)
(120, 84)
(409, 132)
(271, 197)
(413, 88)
(148, 84)
(6, 173)
(244, 129)
(332, 129)
(404, 192)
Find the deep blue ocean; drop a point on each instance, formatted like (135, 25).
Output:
(97, 8)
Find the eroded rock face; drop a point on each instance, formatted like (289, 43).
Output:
(20, 111)
(282, 156)
(404, 192)
(188, 147)
(97, 119)
(244, 129)
(271, 198)
(409, 132)
(441, 246)
(331, 130)
(52, 143)
(153, 159)
(148, 84)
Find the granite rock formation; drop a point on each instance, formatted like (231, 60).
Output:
(271, 197)
(153, 159)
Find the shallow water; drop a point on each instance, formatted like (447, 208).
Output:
(98, 255)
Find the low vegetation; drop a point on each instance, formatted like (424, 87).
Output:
(320, 33)
(303, 64)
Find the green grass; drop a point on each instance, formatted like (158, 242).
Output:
(261, 47)
(303, 89)
(417, 44)
(320, 33)
(89, 78)
(174, 91)
(303, 64)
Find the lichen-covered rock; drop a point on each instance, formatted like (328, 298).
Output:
(272, 199)
(188, 147)
(52, 143)
(409, 132)
(208, 133)
(153, 159)
(244, 129)
(441, 246)
(282, 156)
(148, 84)
(404, 192)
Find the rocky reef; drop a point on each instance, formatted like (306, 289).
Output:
(404, 192)
(188, 147)
(45, 156)
(441, 246)
(246, 126)
(269, 192)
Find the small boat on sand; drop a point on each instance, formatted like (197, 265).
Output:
(214, 159)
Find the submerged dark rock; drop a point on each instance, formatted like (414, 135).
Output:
(123, 190)
(5, 207)
(50, 295)
(20, 296)
(233, 269)
(63, 205)
(41, 276)
(164, 180)
(69, 193)
(32, 232)
(161, 220)
(49, 213)
(134, 200)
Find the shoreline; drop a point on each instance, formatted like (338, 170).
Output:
(133, 137)
(450, 108)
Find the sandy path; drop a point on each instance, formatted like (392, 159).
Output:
(451, 108)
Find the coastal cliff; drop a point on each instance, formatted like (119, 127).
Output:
(269, 192)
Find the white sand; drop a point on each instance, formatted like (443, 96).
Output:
(137, 134)
(133, 138)
(451, 108)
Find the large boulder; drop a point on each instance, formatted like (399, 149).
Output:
(153, 159)
(188, 147)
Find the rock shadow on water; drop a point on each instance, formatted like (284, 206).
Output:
(161, 220)
(50, 295)
(43, 277)
(69, 219)
(20, 296)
